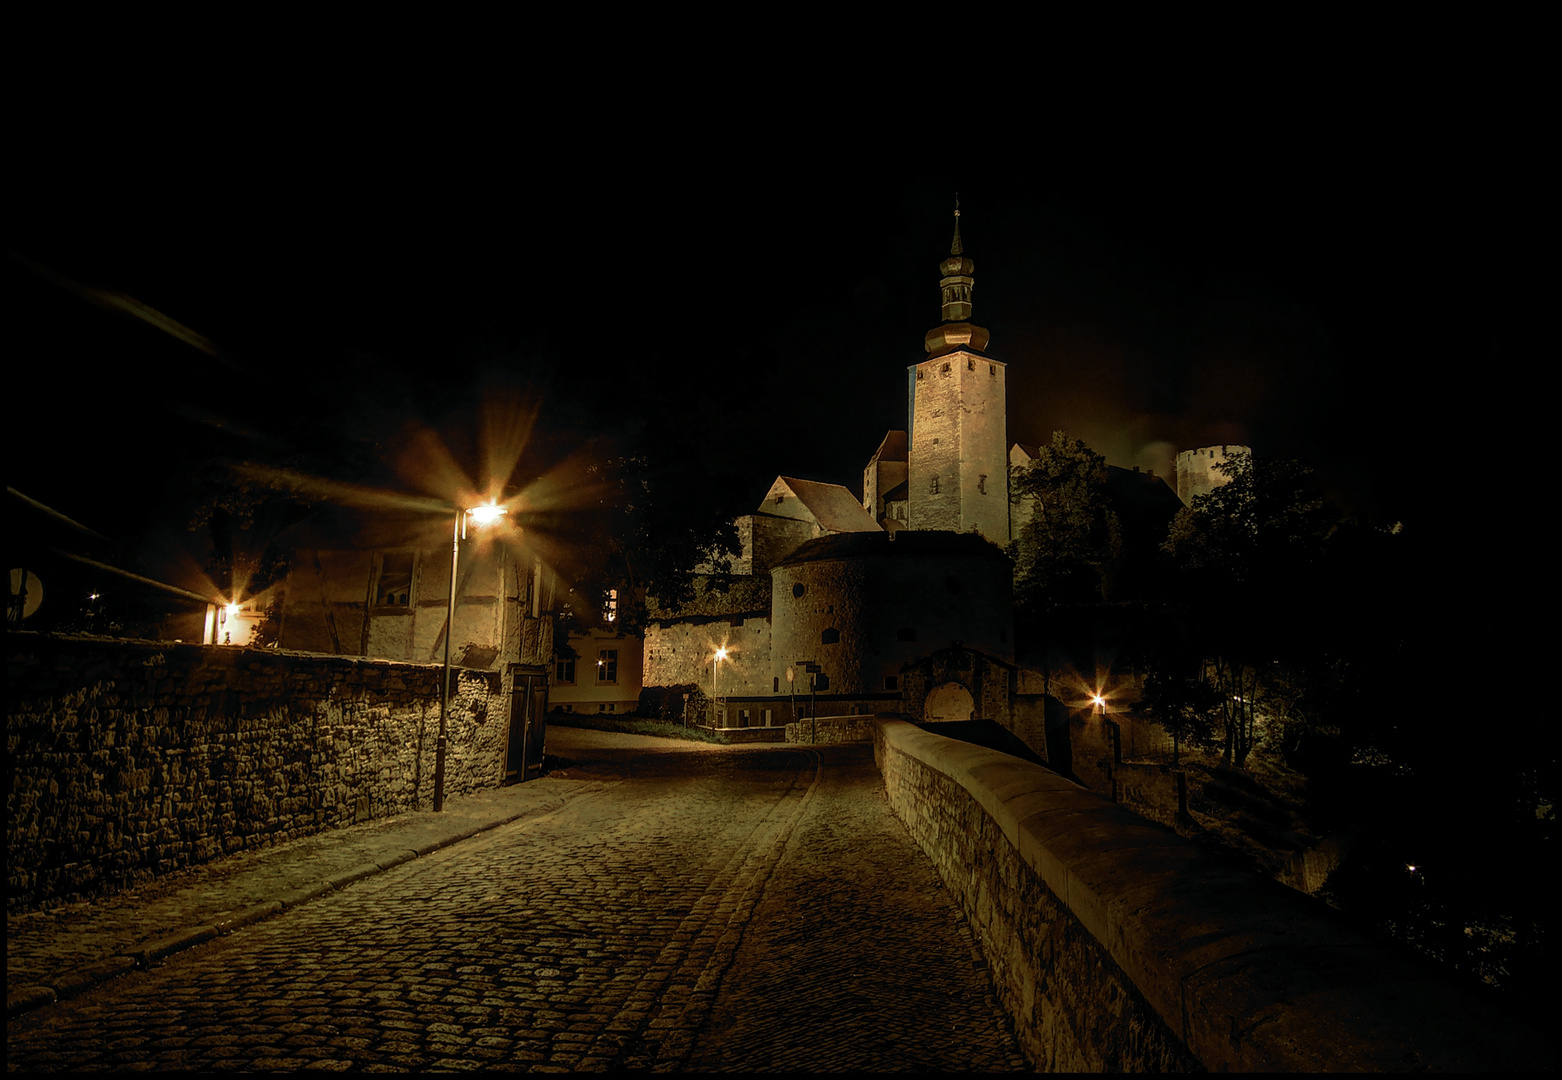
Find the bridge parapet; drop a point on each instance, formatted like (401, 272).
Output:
(1116, 945)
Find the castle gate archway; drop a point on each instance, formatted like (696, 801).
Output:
(958, 684)
(951, 701)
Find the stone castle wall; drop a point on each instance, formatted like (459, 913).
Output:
(678, 653)
(132, 759)
(1117, 946)
(866, 614)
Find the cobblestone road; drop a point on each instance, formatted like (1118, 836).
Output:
(740, 910)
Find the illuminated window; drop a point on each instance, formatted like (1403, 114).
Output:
(564, 672)
(607, 665)
(610, 605)
(395, 585)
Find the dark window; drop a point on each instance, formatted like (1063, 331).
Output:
(395, 588)
(564, 672)
(981, 484)
(970, 365)
(607, 665)
(932, 486)
(799, 589)
(775, 684)
(945, 369)
(906, 633)
(829, 636)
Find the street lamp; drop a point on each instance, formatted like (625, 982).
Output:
(715, 664)
(482, 515)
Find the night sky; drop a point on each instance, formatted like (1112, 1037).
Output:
(1312, 279)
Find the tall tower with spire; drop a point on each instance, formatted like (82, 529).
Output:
(958, 453)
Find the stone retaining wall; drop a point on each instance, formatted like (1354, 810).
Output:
(131, 759)
(1117, 946)
(831, 729)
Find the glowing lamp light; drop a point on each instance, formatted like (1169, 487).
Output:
(487, 514)
(233, 609)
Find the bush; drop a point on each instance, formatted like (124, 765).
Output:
(668, 703)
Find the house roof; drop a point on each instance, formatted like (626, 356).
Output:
(832, 507)
(893, 448)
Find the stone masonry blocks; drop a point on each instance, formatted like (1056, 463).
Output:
(132, 759)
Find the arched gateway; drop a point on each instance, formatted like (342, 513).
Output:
(958, 683)
(951, 701)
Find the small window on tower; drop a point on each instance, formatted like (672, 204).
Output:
(970, 365)
(981, 483)
(932, 486)
(945, 370)
(992, 369)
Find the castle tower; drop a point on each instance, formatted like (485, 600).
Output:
(1197, 473)
(957, 461)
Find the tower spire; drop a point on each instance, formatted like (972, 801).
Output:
(956, 284)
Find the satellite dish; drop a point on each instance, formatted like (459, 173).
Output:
(26, 595)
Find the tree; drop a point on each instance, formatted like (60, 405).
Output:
(1256, 587)
(1185, 706)
(633, 530)
(1069, 544)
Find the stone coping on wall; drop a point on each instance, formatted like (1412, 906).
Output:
(1252, 975)
(20, 639)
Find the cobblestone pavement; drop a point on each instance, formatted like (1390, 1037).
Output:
(737, 909)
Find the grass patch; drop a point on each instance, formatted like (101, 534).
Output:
(634, 725)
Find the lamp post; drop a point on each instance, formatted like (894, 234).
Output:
(715, 664)
(482, 515)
